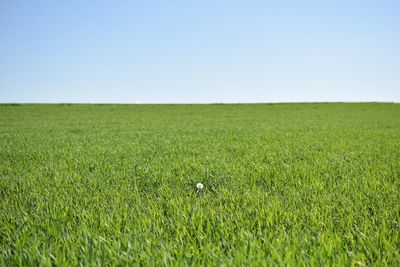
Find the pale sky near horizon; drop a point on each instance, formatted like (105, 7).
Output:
(199, 51)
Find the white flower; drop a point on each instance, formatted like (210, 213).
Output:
(199, 186)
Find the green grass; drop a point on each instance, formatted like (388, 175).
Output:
(285, 184)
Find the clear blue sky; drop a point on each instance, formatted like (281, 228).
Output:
(199, 51)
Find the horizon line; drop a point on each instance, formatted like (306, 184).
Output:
(194, 103)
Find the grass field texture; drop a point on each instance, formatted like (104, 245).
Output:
(284, 184)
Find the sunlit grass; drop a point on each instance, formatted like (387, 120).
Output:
(285, 184)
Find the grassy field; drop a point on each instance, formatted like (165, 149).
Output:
(285, 184)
